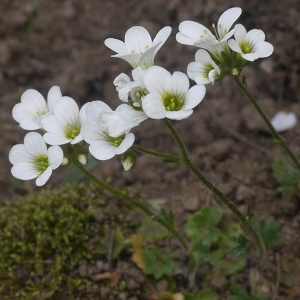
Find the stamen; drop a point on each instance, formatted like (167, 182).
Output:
(173, 102)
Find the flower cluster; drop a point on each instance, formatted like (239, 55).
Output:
(153, 93)
(221, 54)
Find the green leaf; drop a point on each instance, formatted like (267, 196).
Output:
(269, 231)
(157, 264)
(202, 225)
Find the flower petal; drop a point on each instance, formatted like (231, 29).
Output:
(66, 111)
(126, 143)
(44, 177)
(102, 150)
(19, 154)
(227, 19)
(24, 171)
(116, 45)
(54, 95)
(35, 144)
(194, 96)
(161, 37)
(153, 106)
(179, 83)
(137, 40)
(55, 156)
(179, 115)
(155, 79)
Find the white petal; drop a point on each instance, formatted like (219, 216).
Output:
(34, 101)
(122, 120)
(137, 75)
(94, 109)
(102, 150)
(263, 49)
(283, 121)
(19, 154)
(24, 171)
(92, 132)
(147, 59)
(155, 79)
(239, 33)
(122, 80)
(51, 124)
(194, 31)
(55, 156)
(116, 45)
(35, 144)
(179, 83)
(185, 40)
(179, 115)
(250, 56)
(26, 117)
(162, 36)
(194, 96)
(234, 46)
(137, 40)
(126, 144)
(54, 95)
(77, 139)
(66, 111)
(132, 59)
(44, 177)
(227, 19)
(255, 36)
(55, 139)
(153, 106)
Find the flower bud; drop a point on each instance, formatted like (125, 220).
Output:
(82, 158)
(65, 162)
(128, 160)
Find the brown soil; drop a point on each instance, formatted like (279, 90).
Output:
(61, 43)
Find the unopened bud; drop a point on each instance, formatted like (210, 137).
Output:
(235, 72)
(82, 158)
(65, 162)
(128, 160)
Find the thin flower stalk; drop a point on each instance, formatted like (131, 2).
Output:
(187, 160)
(275, 134)
(129, 200)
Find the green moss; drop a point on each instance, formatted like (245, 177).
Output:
(43, 238)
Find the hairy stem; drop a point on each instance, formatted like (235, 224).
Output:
(244, 220)
(275, 134)
(129, 200)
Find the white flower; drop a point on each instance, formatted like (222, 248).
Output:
(283, 121)
(122, 120)
(64, 124)
(131, 90)
(251, 45)
(204, 70)
(138, 49)
(192, 32)
(96, 132)
(33, 107)
(169, 95)
(33, 160)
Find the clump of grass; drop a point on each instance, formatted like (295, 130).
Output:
(43, 238)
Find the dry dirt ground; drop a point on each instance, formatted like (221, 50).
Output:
(60, 42)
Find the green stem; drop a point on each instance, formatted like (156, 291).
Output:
(244, 220)
(132, 202)
(275, 134)
(167, 157)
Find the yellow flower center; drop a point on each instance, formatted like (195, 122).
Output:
(245, 47)
(173, 102)
(72, 131)
(41, 163)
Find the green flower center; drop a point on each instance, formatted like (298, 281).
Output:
(71, 131)
(116, 142)
(207, 70)
(41, 163)
(245, 47)
(173, 102)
